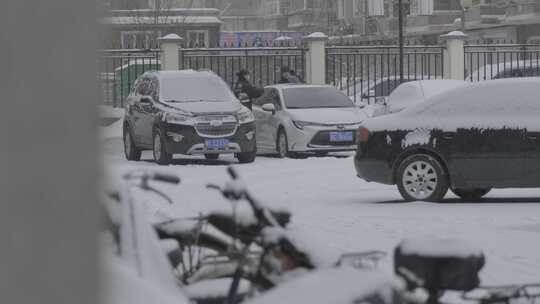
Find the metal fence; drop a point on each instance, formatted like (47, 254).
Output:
(118, 69)
(367, 72)
(492, 61)
(264, 64)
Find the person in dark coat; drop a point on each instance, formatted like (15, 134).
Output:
(244, 86)
(288, 76)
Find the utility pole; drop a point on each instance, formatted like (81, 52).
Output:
(400, 39)
(156, 18)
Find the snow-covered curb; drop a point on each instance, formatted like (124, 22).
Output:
(115, 129)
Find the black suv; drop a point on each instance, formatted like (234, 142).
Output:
(186, 112)
(469, 139)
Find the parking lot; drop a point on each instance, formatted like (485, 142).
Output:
(343, 213)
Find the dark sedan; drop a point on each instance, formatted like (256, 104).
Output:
(470, 139)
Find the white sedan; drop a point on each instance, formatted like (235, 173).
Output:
(411, 93)
(317, 119)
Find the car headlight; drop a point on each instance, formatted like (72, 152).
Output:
(179, 119)
(302, 124)
(245, 116)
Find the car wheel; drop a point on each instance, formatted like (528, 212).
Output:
(130, 149)
(211, 156)
(246, 157)
(471, 194)
(421, 177)
(282, 145)
(160, 152)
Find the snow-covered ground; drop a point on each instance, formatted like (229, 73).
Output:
(346, 214)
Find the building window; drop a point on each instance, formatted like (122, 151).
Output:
(197, 39)
(138, 39)
(421, 7)
(341, 9)
(271, 7)
(298, 4)
(375, 7)
(358, 8)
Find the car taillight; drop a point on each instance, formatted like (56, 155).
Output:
(362, 135)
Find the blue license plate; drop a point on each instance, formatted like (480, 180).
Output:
(341, 136)
(217, 144)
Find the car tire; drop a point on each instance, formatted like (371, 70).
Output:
(471, 194)
(161, 156)
(130, 149)
(211, 156)
(282, 145)
(421, 177)
(246, 157)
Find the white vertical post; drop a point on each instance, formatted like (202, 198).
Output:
(454, 55)
(170, 52)
(316, 58)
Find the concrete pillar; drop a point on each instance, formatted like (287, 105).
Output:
(316, 58)
(170, 49)
(454, 55)
(49, 153)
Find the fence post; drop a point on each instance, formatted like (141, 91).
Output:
(454, 55)
(170, 48)
(316, 58)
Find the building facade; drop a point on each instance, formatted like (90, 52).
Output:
(141, 28)
(425, 20)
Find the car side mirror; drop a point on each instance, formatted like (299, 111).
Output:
(381, 100)
(146, 100)
(243, 97)
(269, 107)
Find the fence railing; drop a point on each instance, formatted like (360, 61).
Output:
(361, 72)
(367, 72)
(492, 61)
(118, 69)
(264, 64)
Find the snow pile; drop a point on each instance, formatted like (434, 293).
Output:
(114, 130)
(333, 285)
(217, 288)
(439, 248)
(110, 112)
(121, 284)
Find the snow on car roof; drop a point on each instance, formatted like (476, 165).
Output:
(433, 87)
(480, 101)
(488, 71)
(414, 92)
(439, 248)
(333, 285)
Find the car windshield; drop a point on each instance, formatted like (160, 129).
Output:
(194, 89)
(315, 97)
